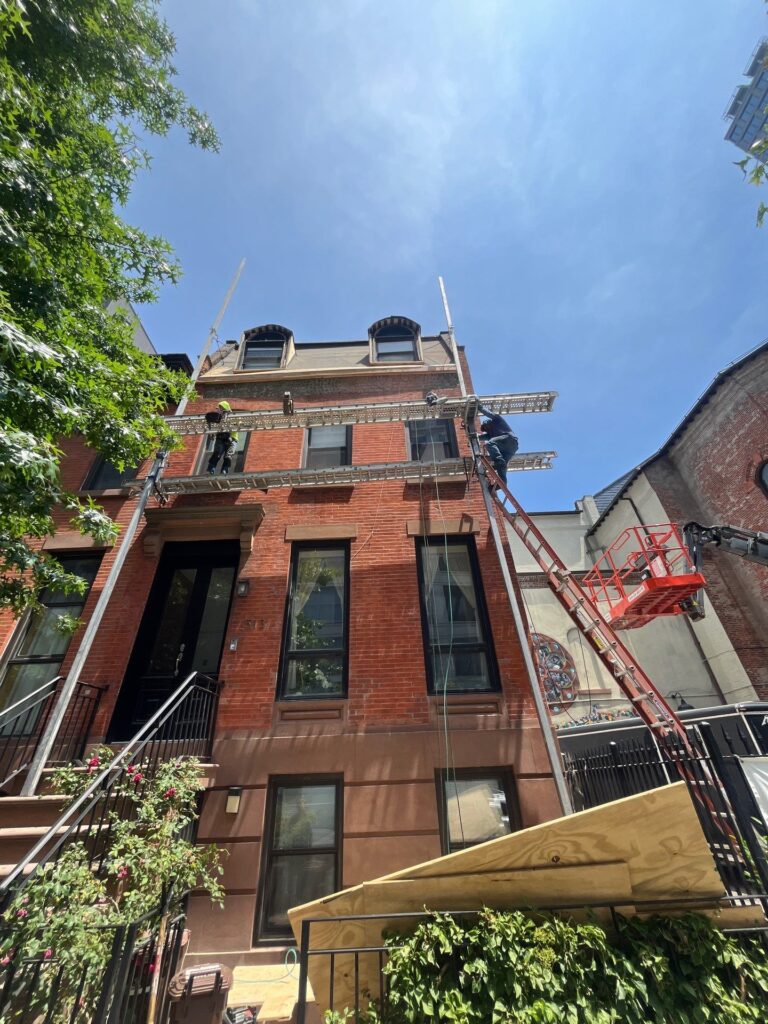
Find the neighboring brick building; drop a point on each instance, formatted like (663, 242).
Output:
(713, 469)
(362, 633)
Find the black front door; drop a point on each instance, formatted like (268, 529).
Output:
(182, 630)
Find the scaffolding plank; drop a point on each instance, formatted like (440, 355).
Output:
(411, 472)
(375, 412)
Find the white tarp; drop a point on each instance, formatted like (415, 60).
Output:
(756, 773)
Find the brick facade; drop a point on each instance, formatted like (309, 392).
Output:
(387, 738)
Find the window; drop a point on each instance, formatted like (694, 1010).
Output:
(302, 852)
(395, 340)
(762, 477)
(328, 447)
(314, 660)
(432, 440)
(238, 459)
(263, 347)
(104, 475)
(42, 645)
(454, 621)
(475, 806)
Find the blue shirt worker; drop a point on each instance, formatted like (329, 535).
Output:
(501, 442)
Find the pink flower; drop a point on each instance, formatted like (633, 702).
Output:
(151, 968)
(7, 958)
(123, 872)
(22, 913)
(131, 769)
(94, 762)
(138, 777)
(170, 793)
(48, 954)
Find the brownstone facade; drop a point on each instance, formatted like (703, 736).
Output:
(386, 741)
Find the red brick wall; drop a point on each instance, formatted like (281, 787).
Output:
(710, 475)
(386, 669)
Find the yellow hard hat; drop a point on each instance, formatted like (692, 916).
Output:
(225, 406)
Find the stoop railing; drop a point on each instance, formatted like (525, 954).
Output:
(117, 987)
(182, 727)
(23, 723)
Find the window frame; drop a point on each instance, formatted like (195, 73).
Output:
(306, 448)
(285, 654)
(260, 337)
(487, 647)
(761, 483)
(509, 786)
(66, 601)
(452, 438)
(203, 455)
(96, 467)
(274, 783)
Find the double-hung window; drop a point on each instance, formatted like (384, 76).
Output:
(432, 440)
(457, 645)
(42, 643)
(302, 849)
(314, 662)
(103, 475)
(474, 806)
(395, 345)
(238, 459)
(328, 447)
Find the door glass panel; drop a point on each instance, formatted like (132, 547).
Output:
(318, 601)
(305, 816)
(213, 623)
(170, 630)
(296, 879)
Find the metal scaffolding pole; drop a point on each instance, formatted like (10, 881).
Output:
(58, 714)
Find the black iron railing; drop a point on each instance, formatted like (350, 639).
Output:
(115, 989)
(728, 814)
(22, 725)
(356, 974)
(182, 727)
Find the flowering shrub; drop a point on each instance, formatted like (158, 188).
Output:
(67, 912)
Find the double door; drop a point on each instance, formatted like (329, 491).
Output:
(182, 629)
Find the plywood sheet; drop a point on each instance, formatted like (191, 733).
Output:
(645, 847)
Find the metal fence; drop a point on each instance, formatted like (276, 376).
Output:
(729, 816)
(23, 723)
(114, 988)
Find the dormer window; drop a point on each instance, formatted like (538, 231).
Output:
(396, 339)
(264, 348)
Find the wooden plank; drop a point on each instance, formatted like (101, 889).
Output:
(645, 847)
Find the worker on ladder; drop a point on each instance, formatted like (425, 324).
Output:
(224, 442)
(501, 442)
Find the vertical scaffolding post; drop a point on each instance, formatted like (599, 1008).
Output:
(452, 335)
(545, 722)
(44, 747)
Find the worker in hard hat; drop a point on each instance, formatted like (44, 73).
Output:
(501, 442)
(218, 414)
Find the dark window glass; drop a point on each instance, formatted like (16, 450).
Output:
(459, 656)
(395, 345)
(762, 477)
(328, 447)
(104, 475)
(238, 459)
(264, 351)
(302, 854)
(315, 646)
(42, 646)
(432, 440)
(474, 807)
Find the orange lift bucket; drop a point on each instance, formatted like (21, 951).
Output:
(646, 573)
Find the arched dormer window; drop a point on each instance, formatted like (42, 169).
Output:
(263, 347)
(395, 339)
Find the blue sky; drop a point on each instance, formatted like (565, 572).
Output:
(561, 164)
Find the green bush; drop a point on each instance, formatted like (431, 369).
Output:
(510, 968)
